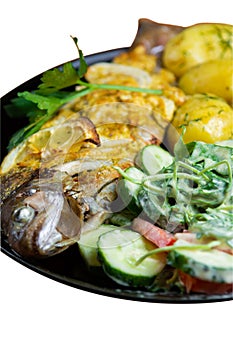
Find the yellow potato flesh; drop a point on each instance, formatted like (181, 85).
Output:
(197, 44)
(214, 77)
(205, 118)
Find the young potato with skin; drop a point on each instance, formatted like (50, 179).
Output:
(197, 44)
(205, 118)
(214, 77)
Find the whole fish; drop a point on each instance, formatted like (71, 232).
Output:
(47, 206)
(60, 182)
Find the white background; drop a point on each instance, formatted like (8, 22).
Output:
(36, 312)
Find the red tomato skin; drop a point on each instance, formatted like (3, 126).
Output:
(193, 284)
(158, 236)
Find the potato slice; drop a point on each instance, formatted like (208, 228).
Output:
(214, 77)
(203, 117)
(197, 44)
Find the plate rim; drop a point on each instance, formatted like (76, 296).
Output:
(119, 293)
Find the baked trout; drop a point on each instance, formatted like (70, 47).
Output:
(48, 200)
(61, 181)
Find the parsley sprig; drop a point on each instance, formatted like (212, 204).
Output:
(41, 104)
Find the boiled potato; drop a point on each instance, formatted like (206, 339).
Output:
(203, 117)
(197, 44)
(214, 77)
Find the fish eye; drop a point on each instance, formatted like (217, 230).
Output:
(23, 215)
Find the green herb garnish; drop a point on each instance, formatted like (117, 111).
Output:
(187, 246)
(40, 105)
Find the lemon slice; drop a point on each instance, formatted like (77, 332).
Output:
(51, 142)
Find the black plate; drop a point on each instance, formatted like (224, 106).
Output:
(68, 267)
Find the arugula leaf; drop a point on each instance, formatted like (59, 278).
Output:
(180, 148)
(216, 223)
(208, 155)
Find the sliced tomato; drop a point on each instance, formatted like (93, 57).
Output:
(193, 284)
(154, 234)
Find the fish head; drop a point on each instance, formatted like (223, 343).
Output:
(38, 219)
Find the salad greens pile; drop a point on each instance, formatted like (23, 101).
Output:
(189, 193)
(53, 92)
(194, 192)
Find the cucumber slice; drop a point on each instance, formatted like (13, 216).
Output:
(151, 159)
(88, 244)
(119, 251)
(128, 190)
(207, 265)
